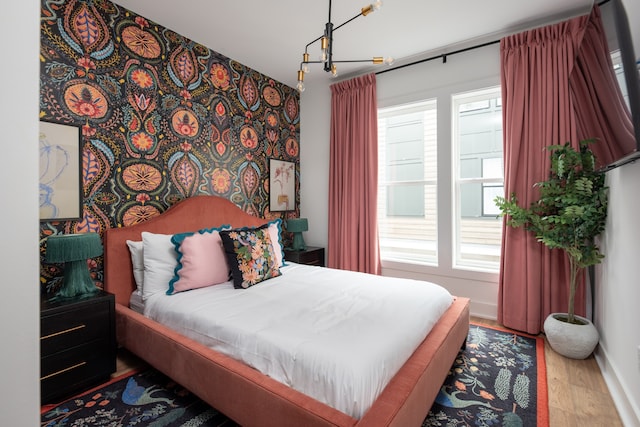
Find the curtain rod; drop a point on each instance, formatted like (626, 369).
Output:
(444, 55)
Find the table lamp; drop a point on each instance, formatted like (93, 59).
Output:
(297, 226)
(73, 250)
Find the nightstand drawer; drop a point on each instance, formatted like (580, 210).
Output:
(65, 361)
(68, 371)
(62, 331)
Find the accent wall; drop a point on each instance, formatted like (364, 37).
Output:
(162, 118)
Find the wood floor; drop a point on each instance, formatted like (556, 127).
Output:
(578, 395)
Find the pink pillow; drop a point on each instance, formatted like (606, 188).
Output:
(201, 261)
(275, 232)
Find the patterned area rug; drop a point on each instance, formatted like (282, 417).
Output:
(498, 380)
(145, 398)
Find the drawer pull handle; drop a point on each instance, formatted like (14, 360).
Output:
(66, 331)
(77, 365)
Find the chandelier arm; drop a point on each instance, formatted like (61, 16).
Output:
(335, 28)
(353, 60)
(312, 42)
(346, 22)
(310, 62)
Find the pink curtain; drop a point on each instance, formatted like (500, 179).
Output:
(557, 86)
(353, 176)
(600, 109)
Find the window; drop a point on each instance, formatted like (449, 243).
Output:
(478, 178)
(404, 145)
(441, 217)
(492, 168)
(407, 176)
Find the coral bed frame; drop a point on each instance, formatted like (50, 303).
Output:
(239, 391)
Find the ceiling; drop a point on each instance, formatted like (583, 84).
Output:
(270, 36)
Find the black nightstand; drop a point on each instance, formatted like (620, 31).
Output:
(77, 344)
(310, 256)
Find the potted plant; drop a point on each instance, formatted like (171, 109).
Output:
(569, 214)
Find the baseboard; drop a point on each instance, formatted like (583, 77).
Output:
(483, 310)
(629, 415)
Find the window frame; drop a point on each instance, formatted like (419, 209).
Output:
(421, 106)
(457, 98)
(443, 85)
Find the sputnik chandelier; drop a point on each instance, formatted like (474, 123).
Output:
(326, 48)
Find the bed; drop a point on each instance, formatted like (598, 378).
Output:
(240, 391)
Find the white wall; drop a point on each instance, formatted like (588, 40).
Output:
(617, 293)
(315, 117)
(19, 261)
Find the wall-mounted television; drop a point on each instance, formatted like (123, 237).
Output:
(626, 67)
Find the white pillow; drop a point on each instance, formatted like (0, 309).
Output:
(137, 260)
(160, 260)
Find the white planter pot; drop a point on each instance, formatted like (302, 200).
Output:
(570, 340)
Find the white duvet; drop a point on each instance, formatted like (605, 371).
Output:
(334, 335)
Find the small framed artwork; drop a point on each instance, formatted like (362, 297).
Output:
(282, 185)
(60, 171)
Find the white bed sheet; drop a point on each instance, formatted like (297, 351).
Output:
(334, 335)
(136, 303)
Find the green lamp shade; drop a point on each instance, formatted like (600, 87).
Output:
(297, 226)
(73, 250)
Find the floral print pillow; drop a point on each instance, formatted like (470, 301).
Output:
(250, 255)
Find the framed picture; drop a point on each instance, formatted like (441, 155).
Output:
(60, 172)
(282, 185)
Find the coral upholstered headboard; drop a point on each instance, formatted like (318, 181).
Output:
(191, 214)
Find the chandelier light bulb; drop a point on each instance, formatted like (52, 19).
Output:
(371, 8)
(380, 60)
(300, 85)
(324, 47)
(305, 66)
(334, 71)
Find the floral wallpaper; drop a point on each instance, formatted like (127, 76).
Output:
(162, 118)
